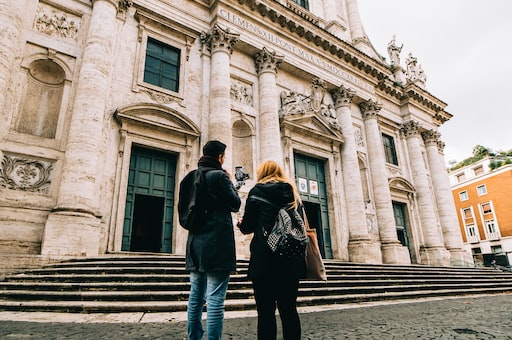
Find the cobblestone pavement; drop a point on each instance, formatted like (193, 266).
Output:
(477, 317)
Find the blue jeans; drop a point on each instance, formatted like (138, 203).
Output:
(210, 288)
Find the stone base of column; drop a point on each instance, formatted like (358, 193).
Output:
(435, 256)
(364, 251)
(461, 258)
(69, 233)
(395, 253)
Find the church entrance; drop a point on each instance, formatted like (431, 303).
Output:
(149, 211)
(310, 177)
(400, 212)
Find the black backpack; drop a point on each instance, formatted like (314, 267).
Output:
(192, 202)
(288, 235)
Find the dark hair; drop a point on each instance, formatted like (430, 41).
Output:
(214, 148)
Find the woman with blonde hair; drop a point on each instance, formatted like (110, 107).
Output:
(275, 278)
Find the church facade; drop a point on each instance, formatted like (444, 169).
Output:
(105, 106)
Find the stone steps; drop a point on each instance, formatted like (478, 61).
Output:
(149, 283)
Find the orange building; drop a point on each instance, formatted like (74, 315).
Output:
(484, 207)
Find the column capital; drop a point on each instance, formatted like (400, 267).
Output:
(440, 147)
(343, 96)
(370, 109)
(410, 128)
(267, 61)
(219, 39)
(431, 137)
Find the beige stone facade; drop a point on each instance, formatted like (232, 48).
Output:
(105, 104)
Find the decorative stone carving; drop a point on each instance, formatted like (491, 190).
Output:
(124, 5)
(292, 103)
(23, 174)
(241, 93)
(359, 137)
(370, 109)
(343, 96)
(267, 61)
(56, 23)
(410, 128)
(440, 147)
(219, 39)
(431, 136)
(122, 8)
(371, 222)
(296, 103)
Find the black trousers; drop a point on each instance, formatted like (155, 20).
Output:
(280, 292)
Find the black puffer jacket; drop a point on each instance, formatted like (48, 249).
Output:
(258, 215)
(214, 248)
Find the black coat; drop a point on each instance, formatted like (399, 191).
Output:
(258, 215)
(214, 248)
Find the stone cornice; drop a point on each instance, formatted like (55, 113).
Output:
(412, 92)
(145, 15)
(306, 26)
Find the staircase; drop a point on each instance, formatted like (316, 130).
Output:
(152, 283)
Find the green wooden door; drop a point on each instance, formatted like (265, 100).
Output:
(149, 201)
(310, 177)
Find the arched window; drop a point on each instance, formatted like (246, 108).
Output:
(39, 113)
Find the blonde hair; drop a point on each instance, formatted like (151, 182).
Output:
(271, 171)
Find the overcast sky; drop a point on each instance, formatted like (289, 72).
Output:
(465, 49)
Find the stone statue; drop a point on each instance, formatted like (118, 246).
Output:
(412, 67)
(394, 52)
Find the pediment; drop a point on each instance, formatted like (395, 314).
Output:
(156, 116)
(401, 184)
(312, 124)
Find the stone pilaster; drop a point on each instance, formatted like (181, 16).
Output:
(76, 214)
(220, 42)
(433, 251)
(445, 204)
(269, 132)
(361, 248)
(11, 28)
(392, 249)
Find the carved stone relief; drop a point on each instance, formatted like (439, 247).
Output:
(241, 92)
(293, 103)
(17, 173)
(359, 137)
(56, 23)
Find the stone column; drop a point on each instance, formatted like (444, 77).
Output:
(361, 248)
(445, 204)
(392, 250)
(433, 251)
(269, 130)
(76, 214)
(11, 28)
(220, 42)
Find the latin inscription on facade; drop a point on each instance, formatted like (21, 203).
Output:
(301, 53)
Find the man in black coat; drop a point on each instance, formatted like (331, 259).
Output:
(210, 255)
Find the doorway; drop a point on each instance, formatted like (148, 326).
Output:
(148, 215)
(149, 211)
(400, 212)
(310, 177)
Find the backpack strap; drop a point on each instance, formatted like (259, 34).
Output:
(259, 198)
